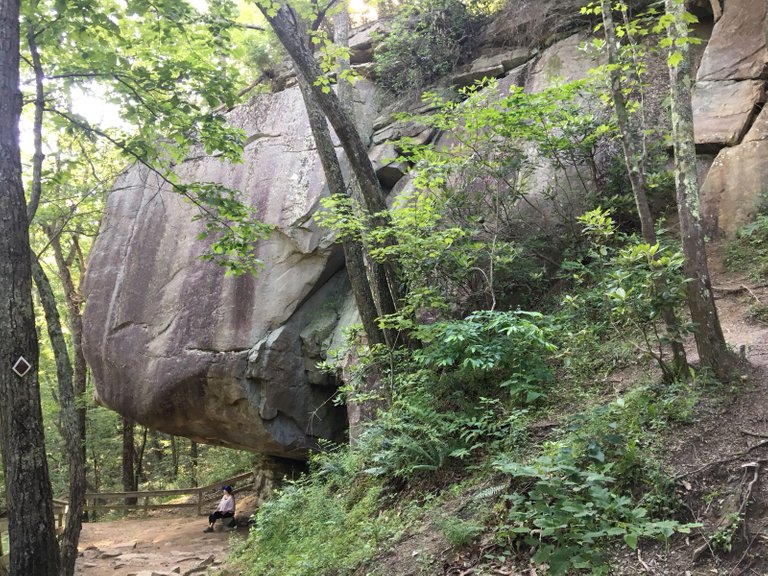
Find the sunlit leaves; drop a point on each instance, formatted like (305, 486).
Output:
(164, 69)
(330, 54)
(230, 225)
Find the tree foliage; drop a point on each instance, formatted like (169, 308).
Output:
(425, 41)
(160, 67)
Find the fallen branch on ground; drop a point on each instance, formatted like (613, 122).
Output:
(755, 434)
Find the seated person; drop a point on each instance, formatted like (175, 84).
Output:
(225, 509)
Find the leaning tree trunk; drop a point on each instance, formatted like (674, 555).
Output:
(75, 324)
(713, 350)
(341, 38)
(353, 250)
(33, 545)
(291, 32)
(72, 418)
(345, 95)
(70, 429)
(635, 161)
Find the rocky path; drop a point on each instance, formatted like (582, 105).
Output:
(162, 544)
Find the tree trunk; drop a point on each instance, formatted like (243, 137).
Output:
(713, 350)
(353, 251)
(175, 458)
(70, 429)
(292, 34)
(139, 472)
(72, 420)
(28, 489)
(193, 461)
(635, 160)
(37, 159)
(341, 38)
(75, 325)
(129, 458)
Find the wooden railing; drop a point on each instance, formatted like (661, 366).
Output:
(147, 500)
(116, 501)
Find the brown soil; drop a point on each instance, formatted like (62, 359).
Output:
(164, 542)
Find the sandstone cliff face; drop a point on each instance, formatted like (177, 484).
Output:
(728, 96)
(176, 345)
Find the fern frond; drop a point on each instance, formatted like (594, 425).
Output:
(490, 492)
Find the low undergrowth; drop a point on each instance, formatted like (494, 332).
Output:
(325, 523)
(463, 408)
(749, 251)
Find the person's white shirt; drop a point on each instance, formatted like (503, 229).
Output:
(227, 504)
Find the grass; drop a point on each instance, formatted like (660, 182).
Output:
(749, 251)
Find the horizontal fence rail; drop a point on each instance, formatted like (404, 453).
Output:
(144, 499)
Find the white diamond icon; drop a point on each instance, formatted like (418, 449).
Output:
(21, 367)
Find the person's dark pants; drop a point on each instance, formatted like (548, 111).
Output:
(216, 515)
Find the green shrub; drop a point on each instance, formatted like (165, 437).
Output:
(757, 312)
(567, 511)
(324, 524)
(417, 435)
(506, 351)
(411, 437)
(427, 39)
(639, 281)
(458, 532)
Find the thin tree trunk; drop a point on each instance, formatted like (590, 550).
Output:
(28, 489)
(713, 350)
(341, 38)
(129, 459)
(70, 429)
(292, 34)
(193, 462)
(635, 160)
(140, 458)
(377, 279)
(75, 324)
(353, 251)
(37, 159)
(632, 155)
(72, 420)
(175, 457)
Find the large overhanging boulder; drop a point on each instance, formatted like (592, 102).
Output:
(177, 345)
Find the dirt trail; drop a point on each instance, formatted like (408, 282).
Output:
(162, 543)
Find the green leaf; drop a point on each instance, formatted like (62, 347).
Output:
(674, 59)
